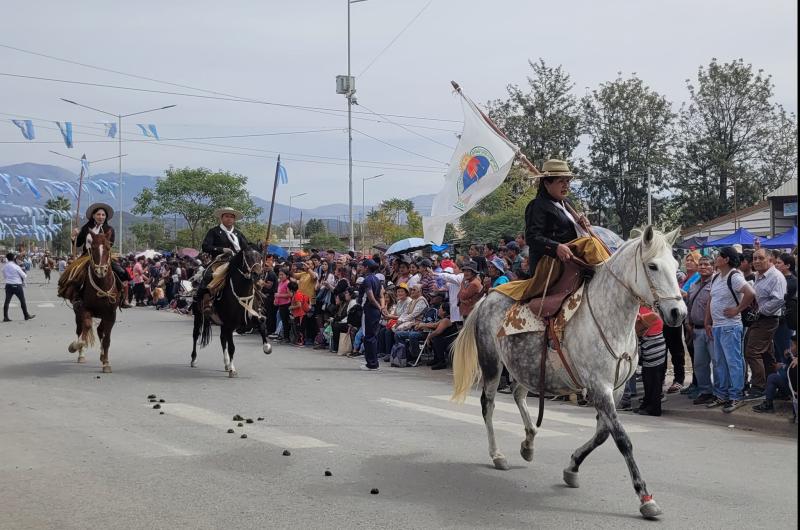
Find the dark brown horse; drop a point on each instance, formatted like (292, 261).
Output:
(99, 299)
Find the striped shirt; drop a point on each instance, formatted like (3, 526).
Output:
(653, 350)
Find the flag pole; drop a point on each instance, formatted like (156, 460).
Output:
(533, 169)
(272, 204)
(78, 206)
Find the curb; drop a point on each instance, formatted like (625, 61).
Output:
(777, 423)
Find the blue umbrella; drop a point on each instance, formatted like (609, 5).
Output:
(407, 245)
(275, 250)
(611, 239)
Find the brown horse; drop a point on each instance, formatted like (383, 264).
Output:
(99, 299)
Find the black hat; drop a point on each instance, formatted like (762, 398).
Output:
(470, 266)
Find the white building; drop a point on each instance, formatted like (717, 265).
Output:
(770, 217)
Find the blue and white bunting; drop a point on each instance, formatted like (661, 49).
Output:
(26, 126)
(284, 178)
(66, 132)
(111, 129)
(149, 130)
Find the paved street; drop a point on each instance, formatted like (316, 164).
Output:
(81, 449)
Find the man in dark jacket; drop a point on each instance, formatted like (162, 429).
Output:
(221, 242)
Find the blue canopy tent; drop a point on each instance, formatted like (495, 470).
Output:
(739, 237)
(787, 239)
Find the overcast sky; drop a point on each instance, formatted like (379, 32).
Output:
(290, 52)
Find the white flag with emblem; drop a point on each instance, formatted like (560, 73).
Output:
(478, 166)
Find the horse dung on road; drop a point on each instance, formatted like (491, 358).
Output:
(599, 340)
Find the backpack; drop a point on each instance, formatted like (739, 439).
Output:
(750, 314)
(354, 316)
(398, 357)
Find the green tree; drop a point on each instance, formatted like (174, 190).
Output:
(314, 226)
(630, 127)
(544, 122)
(152, 234)
(62, 242)
(194, 194)
(325, 240)
(394, 219)
(729, 132)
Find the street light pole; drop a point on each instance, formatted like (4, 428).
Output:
(119, 133)
(364, 208)
(350, 92)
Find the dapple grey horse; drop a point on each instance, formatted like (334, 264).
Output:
(599, 342)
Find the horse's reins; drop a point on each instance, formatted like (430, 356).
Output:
(625, 356)
(245, 301)
(111, 293)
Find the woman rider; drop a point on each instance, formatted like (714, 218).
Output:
(549, 223)
(71, 281)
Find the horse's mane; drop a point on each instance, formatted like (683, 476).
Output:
(658, 245)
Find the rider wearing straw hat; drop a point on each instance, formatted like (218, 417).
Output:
(221, 242)
(555, 233)
(97, 217)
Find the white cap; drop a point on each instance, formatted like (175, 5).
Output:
(445, 254)
(448, 269)
(359, 280)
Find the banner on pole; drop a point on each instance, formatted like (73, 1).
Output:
(478, 166)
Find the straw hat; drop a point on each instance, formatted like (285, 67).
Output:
(556, 168)
(219, 212)
(100, 206)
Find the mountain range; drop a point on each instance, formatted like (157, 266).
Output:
(335, 214)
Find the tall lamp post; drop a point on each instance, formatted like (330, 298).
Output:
(364, 209)
(290, 215)
(119, 135)
(346, 85)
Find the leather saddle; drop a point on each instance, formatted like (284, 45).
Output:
(573, 274)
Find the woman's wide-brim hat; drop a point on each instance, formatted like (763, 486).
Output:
(100, 206)
(556, 168)
(219, 212)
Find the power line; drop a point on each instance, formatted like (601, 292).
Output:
(398, 147)
(406, 128)
(224, 96)
(188, 140)
(164, 144)
(395, 38)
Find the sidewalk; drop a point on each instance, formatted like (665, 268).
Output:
(779, 422)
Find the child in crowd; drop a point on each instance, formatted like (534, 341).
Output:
(299, 307)
(653, 353)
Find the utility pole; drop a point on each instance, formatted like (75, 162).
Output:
(346, 85)
(649, 198)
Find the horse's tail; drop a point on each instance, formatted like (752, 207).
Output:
(205, 338)
(466, 371)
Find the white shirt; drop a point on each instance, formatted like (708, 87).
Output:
(578, 228)
(453, 282)
(721, 297)
(14, 274)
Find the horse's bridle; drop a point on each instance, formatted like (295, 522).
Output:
(248, 266)
(100, 270)
(657, 298)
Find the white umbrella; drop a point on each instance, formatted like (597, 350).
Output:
(407, 245)
(148, 254)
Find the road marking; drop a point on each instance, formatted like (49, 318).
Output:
(46, 305)
(549, 414)
(257, 431)
(499, 425)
